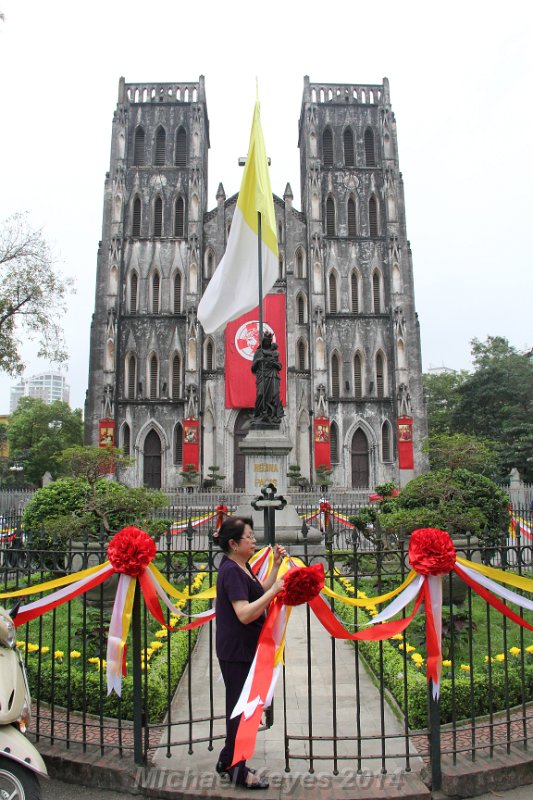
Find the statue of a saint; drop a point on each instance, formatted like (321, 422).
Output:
(266, 367)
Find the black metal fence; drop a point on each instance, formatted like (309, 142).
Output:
(364, 706)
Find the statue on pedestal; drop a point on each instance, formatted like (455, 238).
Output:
(266, 367)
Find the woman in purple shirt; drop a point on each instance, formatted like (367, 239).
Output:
(241, 605)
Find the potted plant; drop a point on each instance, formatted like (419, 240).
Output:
(190, 476)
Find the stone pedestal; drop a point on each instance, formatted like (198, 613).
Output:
(266, 461)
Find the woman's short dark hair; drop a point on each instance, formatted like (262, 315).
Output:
(232, 528)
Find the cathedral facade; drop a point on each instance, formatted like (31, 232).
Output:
(157, 382)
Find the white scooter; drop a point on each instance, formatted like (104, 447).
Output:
(20, 763)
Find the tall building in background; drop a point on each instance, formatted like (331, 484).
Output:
(342, 308)
(47, 386)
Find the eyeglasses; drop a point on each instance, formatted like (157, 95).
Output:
(252, 537)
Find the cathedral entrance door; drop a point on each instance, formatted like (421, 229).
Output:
(360, 460)
(152, 461)
(239, 432)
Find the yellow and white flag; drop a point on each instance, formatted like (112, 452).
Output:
(234, 288)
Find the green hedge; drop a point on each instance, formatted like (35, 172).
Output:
(66, 684)
(487, 696)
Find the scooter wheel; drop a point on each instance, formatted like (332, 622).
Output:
(17, 782)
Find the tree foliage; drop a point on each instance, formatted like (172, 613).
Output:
(108, 505)
(493, 404)
(38, 433)
(460, 451)
(458, 501)
(32, 294)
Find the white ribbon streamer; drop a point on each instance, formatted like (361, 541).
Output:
(399, 602)
(65, 591)
(497, 588)
(114, 639)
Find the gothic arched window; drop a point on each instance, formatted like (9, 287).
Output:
(380, 376)
(156, 290)
(349, 153)
(158, 218)
(334, 443)
(300, 310)
(154, 377)
(354, 285)
(373, 226)
(178, 444)
(332, 286)
(131, 377)
(386, 444)
(330, 217)
(136, 217)
(301, 356)
(376, 292)
(327, 148)
(357, 377)
(177, 293)
(370, 155)
(134, 283)
(180, 156)
(335, 376)
(299, 264)
(176, 376)
(179, 218)
(352, 218)
(126, 439)
(160, 147)
(138, 147)
(209, 360)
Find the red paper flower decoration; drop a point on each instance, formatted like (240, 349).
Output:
(431, 551)
(302, 584)
(131, 550)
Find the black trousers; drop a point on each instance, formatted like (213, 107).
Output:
(234, 674)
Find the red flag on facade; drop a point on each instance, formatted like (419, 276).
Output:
(406, 458)
(321, 442)
(191, 444)
(242, 340)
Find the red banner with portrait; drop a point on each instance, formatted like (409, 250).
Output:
(242, 340)
(191, 444)
(406, 458)
(106, 438)
(321, 431)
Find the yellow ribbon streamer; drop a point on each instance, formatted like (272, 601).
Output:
(56, 583)
(370, 601)
(499, 575)
(126, 619)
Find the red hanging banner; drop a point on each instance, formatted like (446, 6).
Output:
(191, 444)
(405, 443)
(321, 442)
(106, 432)
(242, 340)
(106, 438)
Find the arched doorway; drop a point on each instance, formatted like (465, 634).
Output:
(239, 432)
(360, 460)
(152, 461)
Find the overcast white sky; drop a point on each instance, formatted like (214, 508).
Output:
(461, 85)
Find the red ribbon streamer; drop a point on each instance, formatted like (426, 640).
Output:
(432, 640)
(491, 599)
(377, 633)
(26, 616)
(266, 651)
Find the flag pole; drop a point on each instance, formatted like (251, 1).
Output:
(260, 276)
(260, 286)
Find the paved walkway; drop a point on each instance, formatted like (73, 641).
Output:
(270, 748)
